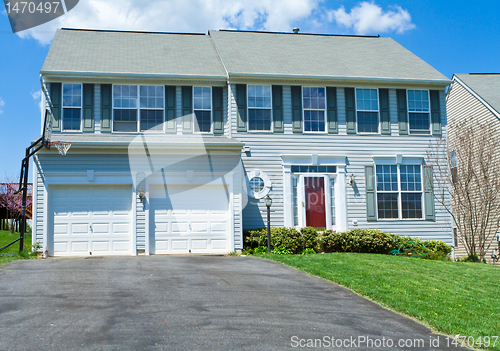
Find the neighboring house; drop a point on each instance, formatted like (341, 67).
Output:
(474, 101)
(334, 128)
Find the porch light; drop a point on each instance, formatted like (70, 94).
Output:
(351, 180)
(141, 194)
(268, 202)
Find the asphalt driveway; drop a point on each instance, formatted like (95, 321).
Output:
(190, 303)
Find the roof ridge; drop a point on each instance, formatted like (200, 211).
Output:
(127, 31)
(315, 34)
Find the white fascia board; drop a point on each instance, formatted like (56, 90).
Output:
(114, 76)
(466, 87)
(442, 83)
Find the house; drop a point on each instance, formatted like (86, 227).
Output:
(473, 103)
(178, 138)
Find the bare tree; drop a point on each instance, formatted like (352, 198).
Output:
(467, 183)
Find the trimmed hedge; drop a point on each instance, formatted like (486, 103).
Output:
(355, 240)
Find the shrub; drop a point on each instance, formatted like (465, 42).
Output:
(260, 250)
(290, 238)
(281, 250)
(308, 251)
(357, 240)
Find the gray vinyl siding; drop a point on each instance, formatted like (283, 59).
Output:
(462, 106)
(140, 225)
(38, 222)
(265, 154)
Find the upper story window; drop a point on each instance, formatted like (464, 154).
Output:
(399, 191)
(72, 107)
(202, 106)
(151, 106)
(419, 111)
(259, 107)
(367, 110)
(314, 102)
(126, 108)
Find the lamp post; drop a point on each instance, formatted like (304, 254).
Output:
(269, 202)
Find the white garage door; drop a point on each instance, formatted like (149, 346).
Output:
(189, 219)
(91, 220)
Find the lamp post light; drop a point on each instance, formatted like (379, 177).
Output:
(269, 202)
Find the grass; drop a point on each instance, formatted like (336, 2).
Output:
(453, 298)
(5, 238)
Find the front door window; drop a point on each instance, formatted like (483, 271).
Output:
(314, 191)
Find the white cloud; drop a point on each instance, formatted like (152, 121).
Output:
(37, 96)
(369, 18)
(2, 104)
(179, 16)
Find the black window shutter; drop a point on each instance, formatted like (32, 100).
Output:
(331, 110)
(55, 98)
(241, 102)
(350, 110)
(435, 113)
(402, 112)
(217, 110)
(106, 106)
(371, 197)
(187, 109)
(385, 117)
(278, 109)
(170, 118)
(430, 214)
(297, 109)
(88, 107)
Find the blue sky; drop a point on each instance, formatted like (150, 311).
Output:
(453, 36)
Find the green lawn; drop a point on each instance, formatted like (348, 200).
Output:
(5, 238)
(453, 298)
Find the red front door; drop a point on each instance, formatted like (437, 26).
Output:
(315, 201)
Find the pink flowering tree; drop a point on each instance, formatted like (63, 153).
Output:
(13, 202)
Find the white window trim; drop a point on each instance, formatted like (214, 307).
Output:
(267, 184)
(399, 192)
(137, 110)
(310, 109)
(211, 110)
(428, 112)
(357, 110)
(71, 107)
(260, 108)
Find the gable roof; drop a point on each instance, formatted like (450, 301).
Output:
(320, 56)
(485, 86)
(132, 53)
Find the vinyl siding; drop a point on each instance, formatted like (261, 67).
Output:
(266, 149)
(463, 106)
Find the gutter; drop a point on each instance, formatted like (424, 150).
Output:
(91, 75)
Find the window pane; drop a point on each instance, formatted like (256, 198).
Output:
(314, 121)
(259, 96)
(418, 101)
(410, 178)
(259, 119)
(125, 96)
(151, 120)
(314, 98)
(125, 120)
(387, 205)
(368, 122)
(366, 99)
(419, 123)
(71, 119)
(72, 95)
(295, 202)
(411, 205)
(257, 184)
(202, 98)
(151, 97)
(332, 198)
(203, 122)
(387, 178)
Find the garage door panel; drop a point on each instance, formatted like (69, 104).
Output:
(189, 220)
(88, 219)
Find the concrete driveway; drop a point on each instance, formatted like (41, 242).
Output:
(189, 303)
